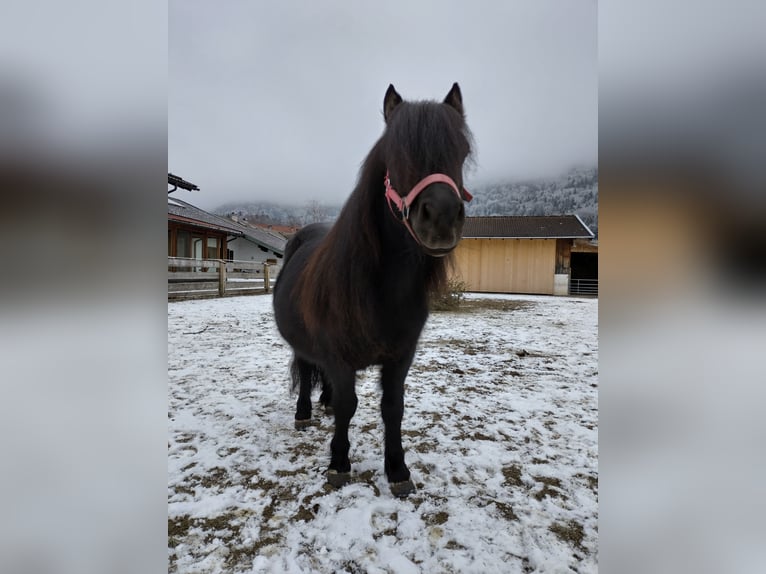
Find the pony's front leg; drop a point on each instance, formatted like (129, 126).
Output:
(392, 377)
(344, 403)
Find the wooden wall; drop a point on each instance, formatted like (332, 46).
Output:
(507, 265)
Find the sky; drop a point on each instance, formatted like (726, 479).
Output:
(281, 101)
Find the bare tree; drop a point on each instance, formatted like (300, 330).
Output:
(315, 212)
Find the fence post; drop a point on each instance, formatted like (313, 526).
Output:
(221, 277)
(266, 280)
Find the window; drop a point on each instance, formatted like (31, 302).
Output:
(212, 248)
(183, 245)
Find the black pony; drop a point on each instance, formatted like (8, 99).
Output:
(356, 294)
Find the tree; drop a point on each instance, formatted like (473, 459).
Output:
(315, 212)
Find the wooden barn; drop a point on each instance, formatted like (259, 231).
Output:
(550, 255)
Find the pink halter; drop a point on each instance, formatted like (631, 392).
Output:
(403, 204)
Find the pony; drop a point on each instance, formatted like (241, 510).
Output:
(355, 294)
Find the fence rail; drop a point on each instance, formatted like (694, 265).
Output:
(583, 287)
(202, 278)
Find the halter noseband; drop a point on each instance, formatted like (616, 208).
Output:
(403, 203)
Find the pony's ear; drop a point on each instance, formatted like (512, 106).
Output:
(390, 101)
(455, 99)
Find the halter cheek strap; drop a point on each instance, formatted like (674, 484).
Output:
(403, 203)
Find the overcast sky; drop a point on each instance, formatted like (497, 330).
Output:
(281, 101)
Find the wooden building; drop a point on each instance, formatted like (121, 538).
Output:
(552, 255)
(195, 233)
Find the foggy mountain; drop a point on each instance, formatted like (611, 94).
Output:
(574, 192)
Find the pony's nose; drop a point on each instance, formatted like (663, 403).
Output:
(443, 208)
(438, 217)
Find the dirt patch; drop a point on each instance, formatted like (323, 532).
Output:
(303, 514)
(226, 527)
(506, 511)
(512, 475)
(436, 519)
(592, 481)
(475, 305)
(482, 436)
(551, 488)
(571, 532)
(215, 477)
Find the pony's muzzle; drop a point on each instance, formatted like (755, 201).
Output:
(437, 217)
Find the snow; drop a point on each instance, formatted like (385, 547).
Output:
(500, 433)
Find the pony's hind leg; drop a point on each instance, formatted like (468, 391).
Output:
(344, 404)
(302, 372)
(325, 398)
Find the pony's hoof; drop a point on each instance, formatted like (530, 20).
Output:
(329, 411)
(302, 424)
(402, 489)
(337, 479)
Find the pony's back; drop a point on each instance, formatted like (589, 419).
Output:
(310, 233)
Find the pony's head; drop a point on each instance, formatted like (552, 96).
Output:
(425, 147)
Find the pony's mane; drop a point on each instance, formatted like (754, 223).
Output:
(342, 275)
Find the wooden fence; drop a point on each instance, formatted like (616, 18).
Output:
(203, 278)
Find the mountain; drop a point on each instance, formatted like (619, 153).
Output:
(271, 213)
(573, 192)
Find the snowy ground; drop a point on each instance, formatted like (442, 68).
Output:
(500, 433)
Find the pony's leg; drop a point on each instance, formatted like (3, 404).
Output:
(344, 404)
(392, 377)
(302, 371)
(326, 397)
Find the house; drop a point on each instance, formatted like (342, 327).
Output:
(553, 255)
(195, 233)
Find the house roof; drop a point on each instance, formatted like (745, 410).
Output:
(526, 227)
(181, 211)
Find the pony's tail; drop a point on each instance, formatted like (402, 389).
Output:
(301, 371)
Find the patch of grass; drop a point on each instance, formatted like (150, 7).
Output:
(482, 436)
(368, 428)
(425, 446)
(571, 532)
(368, 477)
(450, 298)
(512, 475)
(390, 531)
(284, 473)
(184, 437)
(216, 476)
(506, 511)
(550, 488)
(436, 519)
(454, 545)
(177, 528)
(303, 514)
(473, 305)
(591, 480)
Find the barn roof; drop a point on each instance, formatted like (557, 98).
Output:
(179, 210)
(526, 227)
